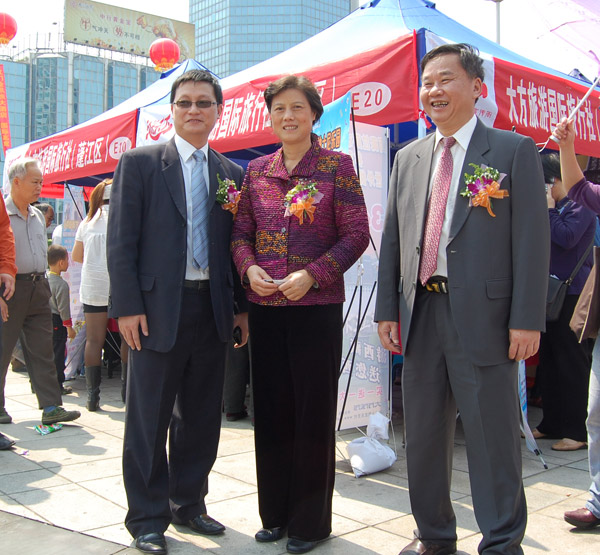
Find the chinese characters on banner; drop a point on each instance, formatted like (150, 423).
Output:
(534, 103)
(369, 390)
(4, 121)
(382, 81)
(89, 150)
(333, 128)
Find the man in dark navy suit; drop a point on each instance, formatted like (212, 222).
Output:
(172, 288)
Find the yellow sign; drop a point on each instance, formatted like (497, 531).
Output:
(104, 26)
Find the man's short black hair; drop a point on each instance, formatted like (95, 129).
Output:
(551, 167)
(467, 54)
(198, 76)
(56, 253)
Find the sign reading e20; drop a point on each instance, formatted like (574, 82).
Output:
(370, 98)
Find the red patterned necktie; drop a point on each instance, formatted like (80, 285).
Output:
(436, 211)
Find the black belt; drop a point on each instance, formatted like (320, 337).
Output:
(437, 284)
(33, 276)
(198, 284)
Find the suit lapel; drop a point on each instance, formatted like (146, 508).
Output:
(478, 147)
(420, 180)
(173, 176)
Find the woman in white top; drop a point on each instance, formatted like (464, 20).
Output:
(90, 249)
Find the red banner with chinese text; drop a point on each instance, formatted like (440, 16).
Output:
(384, 84)
(88, 150)
(534, 102)
(4, 121)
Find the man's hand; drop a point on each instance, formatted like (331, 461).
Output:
(241, 320)
(523, 344)
(129, 326)
(297, 285)
(9, 285)
(388, 335)
(257, 278)
(71, 333)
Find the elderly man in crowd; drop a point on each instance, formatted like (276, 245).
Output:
(30, 316)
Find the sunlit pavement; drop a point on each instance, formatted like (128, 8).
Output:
(63, 493)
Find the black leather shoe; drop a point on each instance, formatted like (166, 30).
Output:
(299, 546)
(154, 543)
(269, 534)
(204, 524)
(417, 547)
(5, 443)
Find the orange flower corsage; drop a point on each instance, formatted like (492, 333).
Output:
(483, 186)
(300, 201)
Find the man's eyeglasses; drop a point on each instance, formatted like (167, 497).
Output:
(200, 104)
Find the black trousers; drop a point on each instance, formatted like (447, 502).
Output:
(565, 377)
(180, 392)
(296, 355)
(237, 377)
(59, 344)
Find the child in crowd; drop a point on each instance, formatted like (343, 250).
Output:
(58, 262)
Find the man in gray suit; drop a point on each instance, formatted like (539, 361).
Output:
(173, 287)
(468, 286)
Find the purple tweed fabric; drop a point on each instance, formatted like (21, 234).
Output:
(280, 245)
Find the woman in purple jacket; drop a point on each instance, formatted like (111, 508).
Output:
(564, 362)
(301, 223)
(587, 194)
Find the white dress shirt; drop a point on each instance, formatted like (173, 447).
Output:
(459, 150)
(186, 152)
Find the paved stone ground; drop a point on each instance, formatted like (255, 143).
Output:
(63, 493)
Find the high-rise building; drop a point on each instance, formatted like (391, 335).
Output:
(232, 35)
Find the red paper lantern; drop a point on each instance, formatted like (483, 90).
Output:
(8, 28)
(164, 53)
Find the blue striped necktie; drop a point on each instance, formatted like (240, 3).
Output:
(199, 212)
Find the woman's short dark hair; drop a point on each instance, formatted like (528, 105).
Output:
(551, 167)
(467, 54)
(198, 76)
(298, 82)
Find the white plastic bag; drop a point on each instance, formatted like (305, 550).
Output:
(367, 454)
(378, 426)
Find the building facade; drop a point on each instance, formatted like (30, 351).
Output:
(232, 35)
